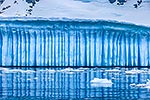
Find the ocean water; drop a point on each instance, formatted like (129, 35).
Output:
(73, 84)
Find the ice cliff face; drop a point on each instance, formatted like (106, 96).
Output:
(73, 43)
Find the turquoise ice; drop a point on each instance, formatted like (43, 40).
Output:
(64, 42)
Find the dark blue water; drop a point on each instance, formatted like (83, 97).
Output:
(60, 83)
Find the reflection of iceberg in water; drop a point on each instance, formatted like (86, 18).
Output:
(101, 85)
(73, 43)
(27, 82)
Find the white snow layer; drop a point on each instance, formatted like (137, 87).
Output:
(75, 9)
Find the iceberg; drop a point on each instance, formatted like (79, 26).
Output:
(66, 42)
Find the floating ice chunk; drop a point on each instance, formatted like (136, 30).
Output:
(78, 70)
(4, 69)
(29, 79)
(15, 71)
(96, 82)
(141, 85)
(131, 72)
(133, 85)
(83, 68)
(71, 70)
(35, 78)
(147, 85)
(67, 70)
(102, 81)
(28, 71)
(47, 70)
(113, 71)
(7, 70)
(11, 70)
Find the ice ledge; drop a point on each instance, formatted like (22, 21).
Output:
(113, 24)
(68, 19)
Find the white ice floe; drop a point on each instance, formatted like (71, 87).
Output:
(78, 70)
(113, 71)
(81, 68)
(7, 70)
(29, 79)
(28, 71)
(133, 85)
(4, 69)
(67, 70)
(47, 70)
(13, 71)
(17, 71)
(96, 82)
(131, 72)
(146, 85)
(72, 70)
(35, 78)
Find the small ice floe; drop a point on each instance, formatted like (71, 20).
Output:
(4, 69)
(28, 71)
(78, 70)
(71, 70)
(35, 78)
(16, 71)
(146, 85)
(96, 82)
(83, 68)
(7, 70)
(141, 85)
(12, 71)
(47, 70)
(29, 79)
(67, 70)
(113, 71)
(131, 72)
(133, 85)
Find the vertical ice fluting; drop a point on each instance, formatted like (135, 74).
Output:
(73, 43)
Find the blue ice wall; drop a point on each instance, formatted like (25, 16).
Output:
(73, 43)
